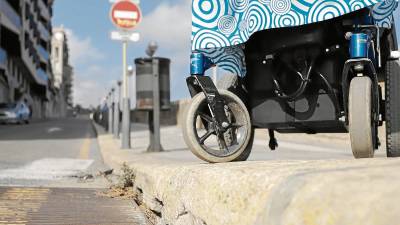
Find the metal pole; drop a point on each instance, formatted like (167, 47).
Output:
(126, 121)
(155, 145)
(110, 114)
(117, 100)
(151, 131)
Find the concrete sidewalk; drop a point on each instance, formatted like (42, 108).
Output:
(307, 188)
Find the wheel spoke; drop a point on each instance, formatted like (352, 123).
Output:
(205, 117)
(235, 125)
(234, 136)
(205, 136)
(222, 143)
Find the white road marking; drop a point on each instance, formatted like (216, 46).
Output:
(47, 169)
(53, 130)
(301, 147)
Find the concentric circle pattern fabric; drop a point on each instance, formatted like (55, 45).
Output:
(219, 27)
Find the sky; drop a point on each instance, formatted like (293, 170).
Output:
(97, 59)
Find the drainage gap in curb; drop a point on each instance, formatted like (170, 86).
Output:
(153, 216)
(158, 214)
(186, 217)
(159, 201)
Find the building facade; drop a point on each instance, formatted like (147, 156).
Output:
(62, 70)
(25, 46)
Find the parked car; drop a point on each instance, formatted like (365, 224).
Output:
(14, 113)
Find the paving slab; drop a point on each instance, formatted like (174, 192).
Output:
(65, 206)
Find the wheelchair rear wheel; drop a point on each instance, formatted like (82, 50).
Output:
(199, 130)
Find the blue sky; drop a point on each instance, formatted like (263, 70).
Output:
(97, 59)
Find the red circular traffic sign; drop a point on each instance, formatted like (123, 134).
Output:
(125, 14)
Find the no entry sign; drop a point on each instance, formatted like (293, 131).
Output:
(125, 14)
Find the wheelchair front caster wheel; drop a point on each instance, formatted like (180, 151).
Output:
(362, 126)
(199, 130)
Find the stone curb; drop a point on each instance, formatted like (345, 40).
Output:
(357, 192)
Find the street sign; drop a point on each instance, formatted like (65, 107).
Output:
(134, 1)
(125, 14)
(124, 36)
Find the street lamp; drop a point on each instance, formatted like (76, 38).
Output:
(154, 117)
(117, 110)
(152, 48)
(119, 83)
(133, 87)
(130, 70)
(110, 112)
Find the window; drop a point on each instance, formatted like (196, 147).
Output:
(57, 52)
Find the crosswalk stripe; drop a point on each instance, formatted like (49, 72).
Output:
(47, 169)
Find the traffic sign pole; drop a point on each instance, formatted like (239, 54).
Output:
(126, 121)
(125, 68)
(125, 15)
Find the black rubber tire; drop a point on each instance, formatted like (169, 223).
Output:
(360, 116)
(191, 140)
(246, 153)
(392, 104)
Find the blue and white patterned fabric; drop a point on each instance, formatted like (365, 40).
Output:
(219, 27)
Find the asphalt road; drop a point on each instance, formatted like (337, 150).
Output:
(50, 153)
(46, 171)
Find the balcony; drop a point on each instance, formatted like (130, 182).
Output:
(41, 77)
(43, 53)
(11, 19)
(44, 10)
(44, 33)
(3, 59)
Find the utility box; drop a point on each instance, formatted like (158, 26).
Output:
(144, 82)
